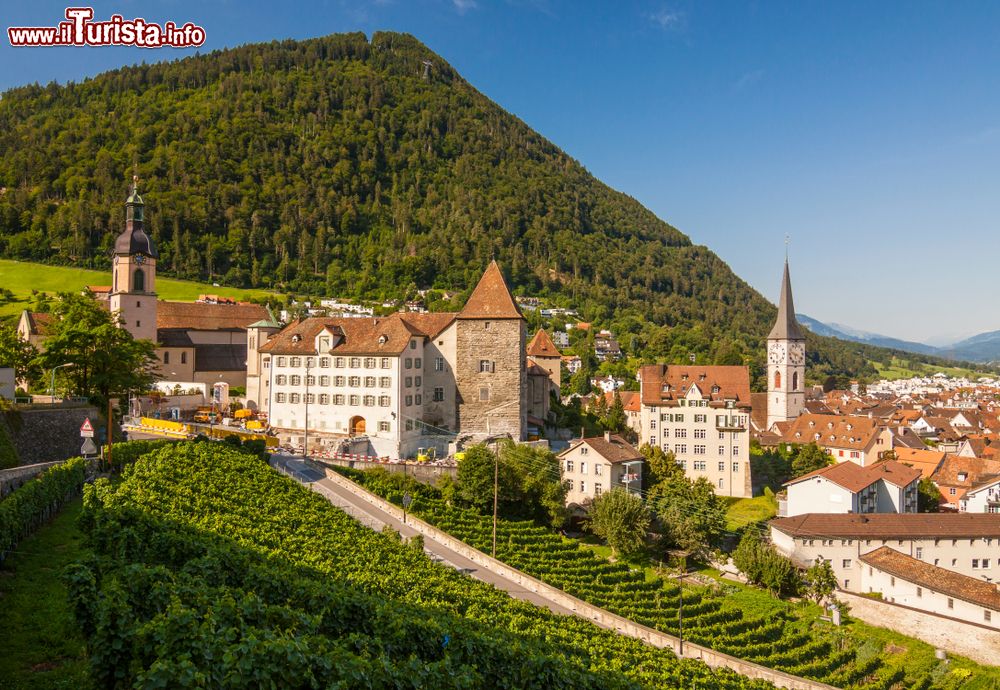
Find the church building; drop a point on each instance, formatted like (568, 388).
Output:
(197, 342)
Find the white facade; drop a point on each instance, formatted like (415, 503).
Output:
(7, 385)
(984, 498)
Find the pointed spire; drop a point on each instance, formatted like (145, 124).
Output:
(786, 327)
(491, 299)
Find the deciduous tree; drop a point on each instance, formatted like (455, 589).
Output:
(621, 519)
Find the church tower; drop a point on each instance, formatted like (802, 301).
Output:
(133, 288)
(786, 361)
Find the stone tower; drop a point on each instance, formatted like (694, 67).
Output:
(490, 368)
(786, 361)
(133, 288)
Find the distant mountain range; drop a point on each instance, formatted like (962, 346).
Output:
(984, 348)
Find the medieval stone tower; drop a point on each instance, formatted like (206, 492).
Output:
(490, 369)
(133, 290)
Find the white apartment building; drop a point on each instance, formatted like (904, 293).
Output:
(702, 415)
(964, 543)
(983, 498)
(886, 487)
(592, 466)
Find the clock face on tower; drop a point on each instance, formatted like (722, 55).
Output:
(776, 353)
(139, 259)
(796, 354)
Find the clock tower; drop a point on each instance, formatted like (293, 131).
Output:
(786, 361)
(133, 288)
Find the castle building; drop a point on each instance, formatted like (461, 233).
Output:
(786, 361)
(389, 386)
(701, 414)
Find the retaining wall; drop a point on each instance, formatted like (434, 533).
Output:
(48, 434)
(15, 477)
(578, 606)
(428, 474)
(976, 642)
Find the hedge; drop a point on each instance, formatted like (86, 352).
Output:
(38, 500)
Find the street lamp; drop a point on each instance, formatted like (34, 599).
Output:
(52, 385)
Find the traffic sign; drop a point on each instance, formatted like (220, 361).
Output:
(86, 429)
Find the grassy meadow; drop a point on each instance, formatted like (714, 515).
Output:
(21, 277)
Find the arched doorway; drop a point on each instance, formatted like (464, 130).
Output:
(357, 426)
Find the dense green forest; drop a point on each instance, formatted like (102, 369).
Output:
(348, 167)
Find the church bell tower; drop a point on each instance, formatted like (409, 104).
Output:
(786, 361)
(133, 288)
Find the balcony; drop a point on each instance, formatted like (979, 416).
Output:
(729, 423)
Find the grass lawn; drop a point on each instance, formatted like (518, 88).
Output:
(42, 646)
(746, 511)
(21, 277)
(904, 368)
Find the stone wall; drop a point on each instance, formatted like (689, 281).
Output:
(428, 474)
(966, 639)
(46, 434)
(501, 341)
(599, 616)
(15, 477)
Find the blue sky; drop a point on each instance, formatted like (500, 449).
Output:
(869, 132)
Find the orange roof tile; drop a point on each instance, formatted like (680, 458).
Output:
(199, 316)
(663, 384)
(491, 299)
(934, 578)
(542, 346)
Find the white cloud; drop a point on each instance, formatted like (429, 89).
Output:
(464, 5)
(666, 18)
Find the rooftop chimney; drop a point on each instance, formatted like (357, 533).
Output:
(607, 436)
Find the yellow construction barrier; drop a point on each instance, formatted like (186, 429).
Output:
(172, 429)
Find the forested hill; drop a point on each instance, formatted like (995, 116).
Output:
(349, 167)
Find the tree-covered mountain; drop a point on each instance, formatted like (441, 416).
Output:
(343, 166)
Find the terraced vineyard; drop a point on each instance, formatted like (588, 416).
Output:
(215, 571)
(771, 640)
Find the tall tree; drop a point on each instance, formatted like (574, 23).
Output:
(105, 360)
(621, 519)
(691, 515)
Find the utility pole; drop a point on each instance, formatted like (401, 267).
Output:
(305, 438)
(496, 491)
(680, 621)
(109, 433)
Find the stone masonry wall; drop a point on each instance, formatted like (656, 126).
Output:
(966, 639)
(503, 343)
(47, 435)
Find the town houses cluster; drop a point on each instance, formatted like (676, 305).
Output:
(415, 382)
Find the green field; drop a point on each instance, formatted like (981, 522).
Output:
(905, 368)
(21, 277)
(43, 646)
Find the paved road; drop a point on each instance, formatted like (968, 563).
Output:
(375, 518)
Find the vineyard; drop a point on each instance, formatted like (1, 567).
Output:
(213, 570)
(776, 641)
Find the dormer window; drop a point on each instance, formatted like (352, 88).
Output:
(296, 338)
(383, 339)
(962, 476)
(684, 377)
(716, 389)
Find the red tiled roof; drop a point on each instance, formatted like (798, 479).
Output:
(387, 335)
(614, 450)
(664, 384)
(837, 431)
(932, 577)
(39, 323)
(891, 525)
(854, 477)
(927, 461)
(198, 316)
(491, 299)
(542, 346)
